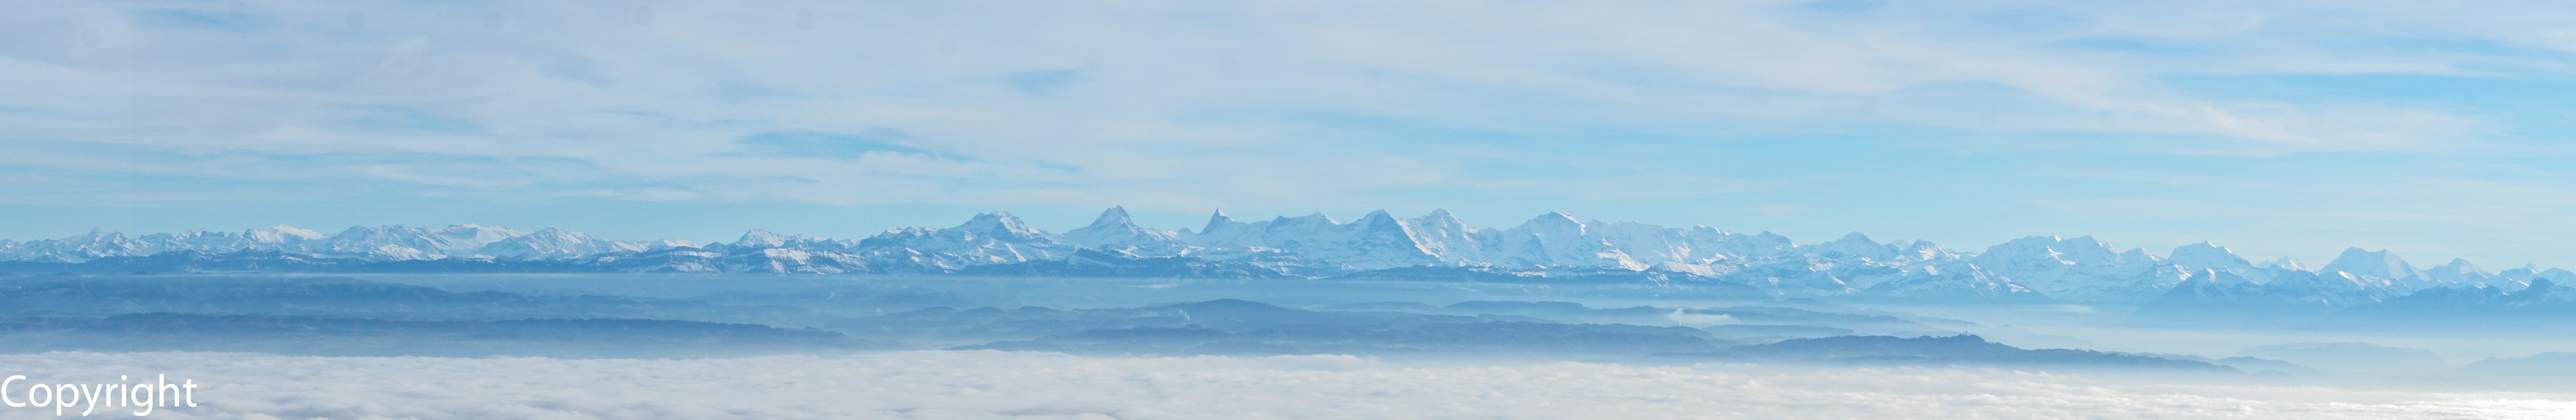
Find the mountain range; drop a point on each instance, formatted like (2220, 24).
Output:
(1550, 247)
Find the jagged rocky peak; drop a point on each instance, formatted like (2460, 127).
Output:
(1223, 231)
(1220, 224)
(2076, 268)
(1002, 225)
(1114, 231)
(1443, 235)
(1440, 221)
(1113, 218)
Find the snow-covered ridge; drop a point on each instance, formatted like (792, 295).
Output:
(2040, 267)
(382, 243)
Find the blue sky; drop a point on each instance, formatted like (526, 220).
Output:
(2436, 129)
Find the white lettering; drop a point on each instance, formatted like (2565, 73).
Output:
(132, 400)
(64, 396)
(166, 399)
(90, 394)
(4, 391)
(49, 395)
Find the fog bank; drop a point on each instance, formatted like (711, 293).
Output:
(987, 384)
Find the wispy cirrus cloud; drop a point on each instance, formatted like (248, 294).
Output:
(1287, 107)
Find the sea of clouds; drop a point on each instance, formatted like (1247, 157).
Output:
(988, 385)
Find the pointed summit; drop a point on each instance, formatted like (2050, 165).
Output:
(1216, 222)
(1224, 232)
(1114, 232)
(1441, 220)
(1115, 217)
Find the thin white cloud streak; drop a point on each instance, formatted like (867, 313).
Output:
(1179, 103)
(978, 385)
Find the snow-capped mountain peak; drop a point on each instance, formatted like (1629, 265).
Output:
(1217, 221)
(1115, 217)
(2073, 269)
(2208, 256)
(1114, 231)
(2459, 272)
(554, 243)
(2381, 264)
(282, 234)
(1002, 225)
(758, 238)
(398, 242)
(1555, 222)
(1225, 232)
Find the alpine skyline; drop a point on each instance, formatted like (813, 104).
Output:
(2281, 129)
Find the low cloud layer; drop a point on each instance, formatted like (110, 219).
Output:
(979, 385)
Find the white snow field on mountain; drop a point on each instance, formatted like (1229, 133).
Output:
(2031, 269)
